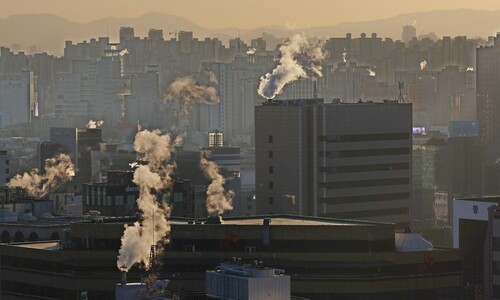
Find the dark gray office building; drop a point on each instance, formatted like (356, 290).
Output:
(349, 161)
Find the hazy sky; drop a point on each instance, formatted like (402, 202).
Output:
(240, 13)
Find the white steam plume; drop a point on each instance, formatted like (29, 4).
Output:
(218, 200)
(123, 52)
(187, 90)
(152, 176)
(300, 58)
(423, 64)
(211, 76)
(470, 69)
(371, 72)
(94, 123)
(251, 51)
(58, 170)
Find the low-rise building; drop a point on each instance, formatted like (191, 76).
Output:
(326, 259)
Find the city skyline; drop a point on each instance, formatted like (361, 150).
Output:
(353, 146)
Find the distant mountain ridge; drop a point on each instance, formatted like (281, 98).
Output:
(49, 32)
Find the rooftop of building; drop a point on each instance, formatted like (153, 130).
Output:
(46, 222)
(45, 245)
(491, 199)
(281, 219)
(278, 219)
(320, 101)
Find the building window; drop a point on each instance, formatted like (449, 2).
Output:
(270, 154)
(189, 248)
(118, 200)
(6, 171)
(271, 200)
(271, 185)
(496, 244)
(7, 162)
(271, 170)
(496, 267)
(270, 139)
(130, 199)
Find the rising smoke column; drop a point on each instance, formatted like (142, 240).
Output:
(218, 200)
(58, 170)
(423, 65)
(211, 76)
(151, 176)
(188, 91)
(300, 58)
(92, 124)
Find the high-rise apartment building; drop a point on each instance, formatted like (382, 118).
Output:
(126, 34)
(18, 97)
(234, 114)
(334, 160)
(409, 32)
(488, 99)
(144, 101)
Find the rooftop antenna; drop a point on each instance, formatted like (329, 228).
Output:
(107, 30)
(401, 85)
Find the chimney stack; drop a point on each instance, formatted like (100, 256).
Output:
(124, 277)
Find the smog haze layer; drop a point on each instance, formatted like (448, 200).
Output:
(46, 25)
(240, 14)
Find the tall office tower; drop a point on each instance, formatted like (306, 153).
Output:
(430, 180)
(488, 99)
(409, 32)
(466, 161)
(18, 97)
(334, 160)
